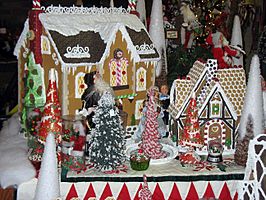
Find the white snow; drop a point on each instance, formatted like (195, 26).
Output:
(253, 103)
(15, 168)
(48, 186)
(67, 24)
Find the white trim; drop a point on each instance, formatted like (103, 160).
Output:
(21, 41)
(65, 97)
(217, 88)
(193, 90)
(74, 10)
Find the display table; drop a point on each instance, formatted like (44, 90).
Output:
(168, 181)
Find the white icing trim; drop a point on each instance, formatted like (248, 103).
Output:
(145, 49)
(55, 59)
(218, 88)
(77, 52)
(84, 10)
(65, 96)
(22, 39)
(193, 90)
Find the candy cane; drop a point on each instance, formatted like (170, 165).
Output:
(132, 5)
(118, 73)
(36, 4)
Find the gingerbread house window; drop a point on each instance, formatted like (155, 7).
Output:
(45, 45)
(141, 79)
(119, 71)
(215, 109)
(80, 85)
(138, 109)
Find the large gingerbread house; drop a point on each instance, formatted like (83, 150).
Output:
(220, 98)
(78, 40)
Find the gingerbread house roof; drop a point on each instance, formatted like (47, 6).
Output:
(231, 82)
(83, 36)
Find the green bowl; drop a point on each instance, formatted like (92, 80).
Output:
(139, 166)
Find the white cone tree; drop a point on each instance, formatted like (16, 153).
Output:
(141, 9)
(253, 104)
(237, 40)
(156, 31)
(48, 187)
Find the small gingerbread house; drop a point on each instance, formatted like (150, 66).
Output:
(78, 40)
(220, 98)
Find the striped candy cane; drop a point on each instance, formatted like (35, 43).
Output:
(36, 4)
(132, 5)
(118, 73)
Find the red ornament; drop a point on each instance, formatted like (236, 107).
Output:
(123, 72)
(113, 72)
(142, 80)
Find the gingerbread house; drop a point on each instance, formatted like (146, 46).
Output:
(78, 40)
(220, 98)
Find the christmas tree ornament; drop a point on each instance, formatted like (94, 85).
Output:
(51, 121)
(215, 151)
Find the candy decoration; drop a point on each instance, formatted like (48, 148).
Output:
(191, 135)
(35, 27)
(145, 193)
(132, 5)
(36, 4)
(51, 119)
(150, 137)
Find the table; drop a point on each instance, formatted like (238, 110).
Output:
(168, 181)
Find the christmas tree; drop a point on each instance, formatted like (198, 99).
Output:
(51, 120)
(191, 135)
(253, 103)
(106, 151)
(34, 89)
(150, 137)
(241, 154)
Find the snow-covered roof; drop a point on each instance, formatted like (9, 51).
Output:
(91, 33)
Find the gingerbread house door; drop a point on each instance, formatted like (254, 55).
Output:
(214, 131)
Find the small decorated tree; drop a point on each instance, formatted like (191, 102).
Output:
(34, 90)
(191, 135)
(51, 120)
(106, 151)
(150, 137)
(241, 154)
